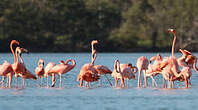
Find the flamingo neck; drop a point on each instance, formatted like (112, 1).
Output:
(117, 66)
(17, 60)
(173, 45)
(71, 60)
(93, 58)
(11, 47)
(194, 65)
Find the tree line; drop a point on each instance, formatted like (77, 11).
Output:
(118, 25)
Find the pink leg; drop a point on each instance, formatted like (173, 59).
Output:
(122, 83)
(116, 82)
(60, 80)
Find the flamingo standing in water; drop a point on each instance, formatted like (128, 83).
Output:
(100, 68)
(63, 68)
(27, 74)
(17, 66)
(40, 69)
(48, 67)
(142, 64)
(123, 71)
(171, 71)
(154, 69)
(6, 71)
(88, 72)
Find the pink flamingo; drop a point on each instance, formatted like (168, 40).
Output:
(48, 67)
(6, 70)
(154, 69)
(142, 64)
(26, 74)
(123, 71)
(171, 71)
(117, 74)
(18, 67)
(40, 69)
(63, 68)
(100, 68)
(88, 73)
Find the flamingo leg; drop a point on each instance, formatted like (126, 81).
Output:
(60, 80)
(41, 81)
(2, 81)
(153, 80)
(164, 83)
(127, 82)
(53, 80)
(116, 82)
(47, 82)
(7, 80)
(122, 83)
(10, 81)
(186, 81)
(16, 81)
(108, 79)
(81, 82)
(145, 78)
(139, 76)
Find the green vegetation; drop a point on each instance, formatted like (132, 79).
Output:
(119, 25)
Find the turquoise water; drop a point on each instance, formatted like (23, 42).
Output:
(71, 96)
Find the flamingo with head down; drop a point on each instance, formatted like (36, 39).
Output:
(40, 69)
(63, 68)
(123, 71)
(48, 67)
(6, 71)
(142, 64)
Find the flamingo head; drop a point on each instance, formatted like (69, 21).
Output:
(15, 42)
(130, 65)
(24, 50)
(94, 42)
(190, 58)
(185, 52)
(152, 58)
(159, 57)
(61, 62)
(41, 61)
(172, 31)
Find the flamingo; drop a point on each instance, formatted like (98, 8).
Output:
(128, 71)
(63, 68)
(48, 67)
(88, 73)
(40, 69)
(142, 64)
(117, 74)
(6, 70)
(171, 71)
(154, 69)
(17, 66)
(26, 74)
(123, 71)
(100, 68)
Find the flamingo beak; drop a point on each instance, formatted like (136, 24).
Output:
(26, 51)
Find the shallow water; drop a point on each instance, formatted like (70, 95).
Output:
(70, 96)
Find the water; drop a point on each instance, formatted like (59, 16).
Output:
(72, 97)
